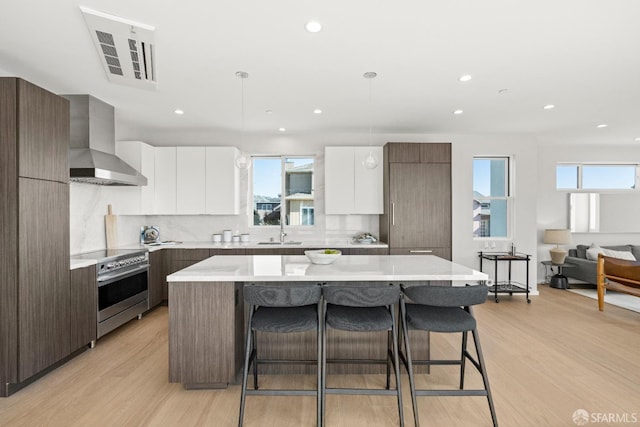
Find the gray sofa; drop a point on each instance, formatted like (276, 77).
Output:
(585, 269)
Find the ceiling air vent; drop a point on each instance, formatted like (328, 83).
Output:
(126, 48)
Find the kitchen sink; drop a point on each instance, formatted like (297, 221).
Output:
(279, 243)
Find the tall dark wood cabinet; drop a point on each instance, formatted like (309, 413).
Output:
(34, 231)
(417, 199)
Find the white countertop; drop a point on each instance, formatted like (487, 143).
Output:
(319, 244)
(267, 268)
(316, 244)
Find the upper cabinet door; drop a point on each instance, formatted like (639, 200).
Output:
(350, 188)
(338, 180)
(222, 181)
(43, 133)
(165, 171)
(190, 185)
(367, 191)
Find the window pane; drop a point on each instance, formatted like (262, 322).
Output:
(298, 189)
(567, 176)
(608, 177)
(490, 218)
(490, 178)
(267, 188)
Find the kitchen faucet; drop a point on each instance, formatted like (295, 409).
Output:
(282, 233)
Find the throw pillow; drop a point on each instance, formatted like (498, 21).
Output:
(618, 254)
(594, 250)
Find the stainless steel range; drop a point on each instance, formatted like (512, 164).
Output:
(123, 286)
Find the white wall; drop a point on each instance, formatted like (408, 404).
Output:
(553, 205)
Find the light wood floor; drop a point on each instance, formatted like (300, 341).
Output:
(545, 360)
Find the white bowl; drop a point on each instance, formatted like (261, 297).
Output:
(319, 257)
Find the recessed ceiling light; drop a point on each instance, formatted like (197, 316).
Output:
(464, 78)
(638, 139)
(282, 130)
(313, 26)
(503, 91)
(317, 111)
(269, 111)
(458, 112)
(603, 125)
(549, 107)
(179, 112)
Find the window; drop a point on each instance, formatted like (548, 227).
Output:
(283, 182)
(596, 177)
(491, 197)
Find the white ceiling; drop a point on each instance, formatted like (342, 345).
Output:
(581, 55)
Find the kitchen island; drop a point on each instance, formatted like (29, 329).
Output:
(207, 319)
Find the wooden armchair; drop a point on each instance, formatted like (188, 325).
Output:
(618, 275)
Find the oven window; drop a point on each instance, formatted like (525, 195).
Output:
(120, 290)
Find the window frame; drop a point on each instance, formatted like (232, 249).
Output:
(283, 183)
(508, 197)
(580, 176)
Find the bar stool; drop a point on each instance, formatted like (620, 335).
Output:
(281, 308)
(362, 307)
(445, 309)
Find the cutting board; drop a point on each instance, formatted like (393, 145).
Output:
(111, 229)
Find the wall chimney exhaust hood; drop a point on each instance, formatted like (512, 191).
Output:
(92, 157)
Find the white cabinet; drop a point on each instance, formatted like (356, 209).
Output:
(165, 177)
(180, 180)
(350, 188)
(222, 181)
(137, 200)
(190, 180)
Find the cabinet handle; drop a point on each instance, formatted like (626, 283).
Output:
(421, 251)
(393, 214)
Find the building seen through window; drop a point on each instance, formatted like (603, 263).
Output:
(283, 184)
(491, 197)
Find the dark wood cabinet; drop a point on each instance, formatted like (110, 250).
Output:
(43, 275)
(43, 131)
(83, 307)
(177, 259)
(417, 198)
(156, 278)
(34, 231)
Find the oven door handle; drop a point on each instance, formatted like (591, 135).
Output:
(110, 278)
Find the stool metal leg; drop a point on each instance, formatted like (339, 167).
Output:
(396, 360)
(485, 379)
(463, 358)
(409, 363)
(323, 371)
(319, 400)
(389, 355)
(245, 370)
(254, 356)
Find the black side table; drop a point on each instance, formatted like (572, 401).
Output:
(558, 280)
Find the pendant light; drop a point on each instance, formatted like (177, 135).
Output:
(370, 162)
(243, 161)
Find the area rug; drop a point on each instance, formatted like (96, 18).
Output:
(612, 297)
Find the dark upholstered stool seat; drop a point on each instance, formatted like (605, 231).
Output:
(285, 319)
(439, 319)
(361, 319)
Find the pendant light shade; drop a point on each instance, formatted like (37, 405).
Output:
(370, 162)
(243, 161)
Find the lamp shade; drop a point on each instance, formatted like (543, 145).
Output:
(557, 236)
